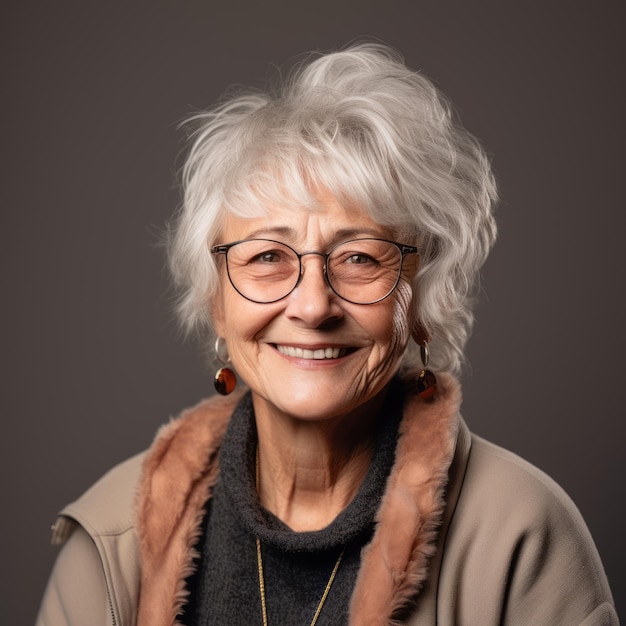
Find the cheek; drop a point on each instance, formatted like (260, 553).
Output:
(244, 322)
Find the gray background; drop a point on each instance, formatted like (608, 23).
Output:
(92, 359)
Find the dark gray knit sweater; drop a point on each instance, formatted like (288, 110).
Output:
(297, 565)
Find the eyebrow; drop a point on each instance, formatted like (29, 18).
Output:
(284, 231)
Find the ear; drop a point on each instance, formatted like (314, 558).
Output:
(216, 311)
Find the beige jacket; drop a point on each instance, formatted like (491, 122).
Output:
(482, 536)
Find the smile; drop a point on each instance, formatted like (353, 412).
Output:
(318, 354)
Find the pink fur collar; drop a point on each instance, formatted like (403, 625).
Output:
(395, 563)
(178, 473)
(181, 468)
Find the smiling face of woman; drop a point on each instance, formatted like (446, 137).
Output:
(275, 347)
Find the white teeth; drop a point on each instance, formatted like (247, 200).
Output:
(303, 353)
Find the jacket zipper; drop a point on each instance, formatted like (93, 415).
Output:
(113, 620)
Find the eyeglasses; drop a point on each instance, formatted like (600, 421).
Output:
(361, 271)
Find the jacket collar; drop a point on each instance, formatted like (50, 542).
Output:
(181, 468)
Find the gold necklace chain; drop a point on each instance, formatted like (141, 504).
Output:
(259, 561)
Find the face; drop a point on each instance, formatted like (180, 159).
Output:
(271, 345)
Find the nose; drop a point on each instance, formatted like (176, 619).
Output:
(313, 301)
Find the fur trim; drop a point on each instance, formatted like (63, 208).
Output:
(177, 477)
(395, 563)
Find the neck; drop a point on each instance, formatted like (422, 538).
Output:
(309, 471)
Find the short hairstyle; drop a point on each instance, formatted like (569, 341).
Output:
(372, 132)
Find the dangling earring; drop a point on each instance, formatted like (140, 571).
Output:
(427, 381)
(225, 380)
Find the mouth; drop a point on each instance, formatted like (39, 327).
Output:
(317, 354)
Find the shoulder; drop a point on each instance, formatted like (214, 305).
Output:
(102, 559)
(517, 548)
(501, 479)
(107, 507)
(504, 496)
(96, 574)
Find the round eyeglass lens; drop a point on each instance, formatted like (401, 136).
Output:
(364, 271)
(261, 270)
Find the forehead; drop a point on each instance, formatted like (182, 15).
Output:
(326, 221)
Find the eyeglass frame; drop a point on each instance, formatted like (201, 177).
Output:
(404, 249)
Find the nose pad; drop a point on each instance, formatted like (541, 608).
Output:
(324, 270)
(324, 267)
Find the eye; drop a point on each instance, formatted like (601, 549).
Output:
(270, 256)
(359, 258)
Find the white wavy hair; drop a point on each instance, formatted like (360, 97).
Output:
(363, 126)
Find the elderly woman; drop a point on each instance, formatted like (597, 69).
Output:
(330, 237)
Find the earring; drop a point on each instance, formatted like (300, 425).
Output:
(426, 381)
(225, 380)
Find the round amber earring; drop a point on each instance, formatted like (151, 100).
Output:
(225, 381)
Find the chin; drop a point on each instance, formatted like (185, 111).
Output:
(309, 408)
(320, 403)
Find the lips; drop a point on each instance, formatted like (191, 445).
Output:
(316, 354)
